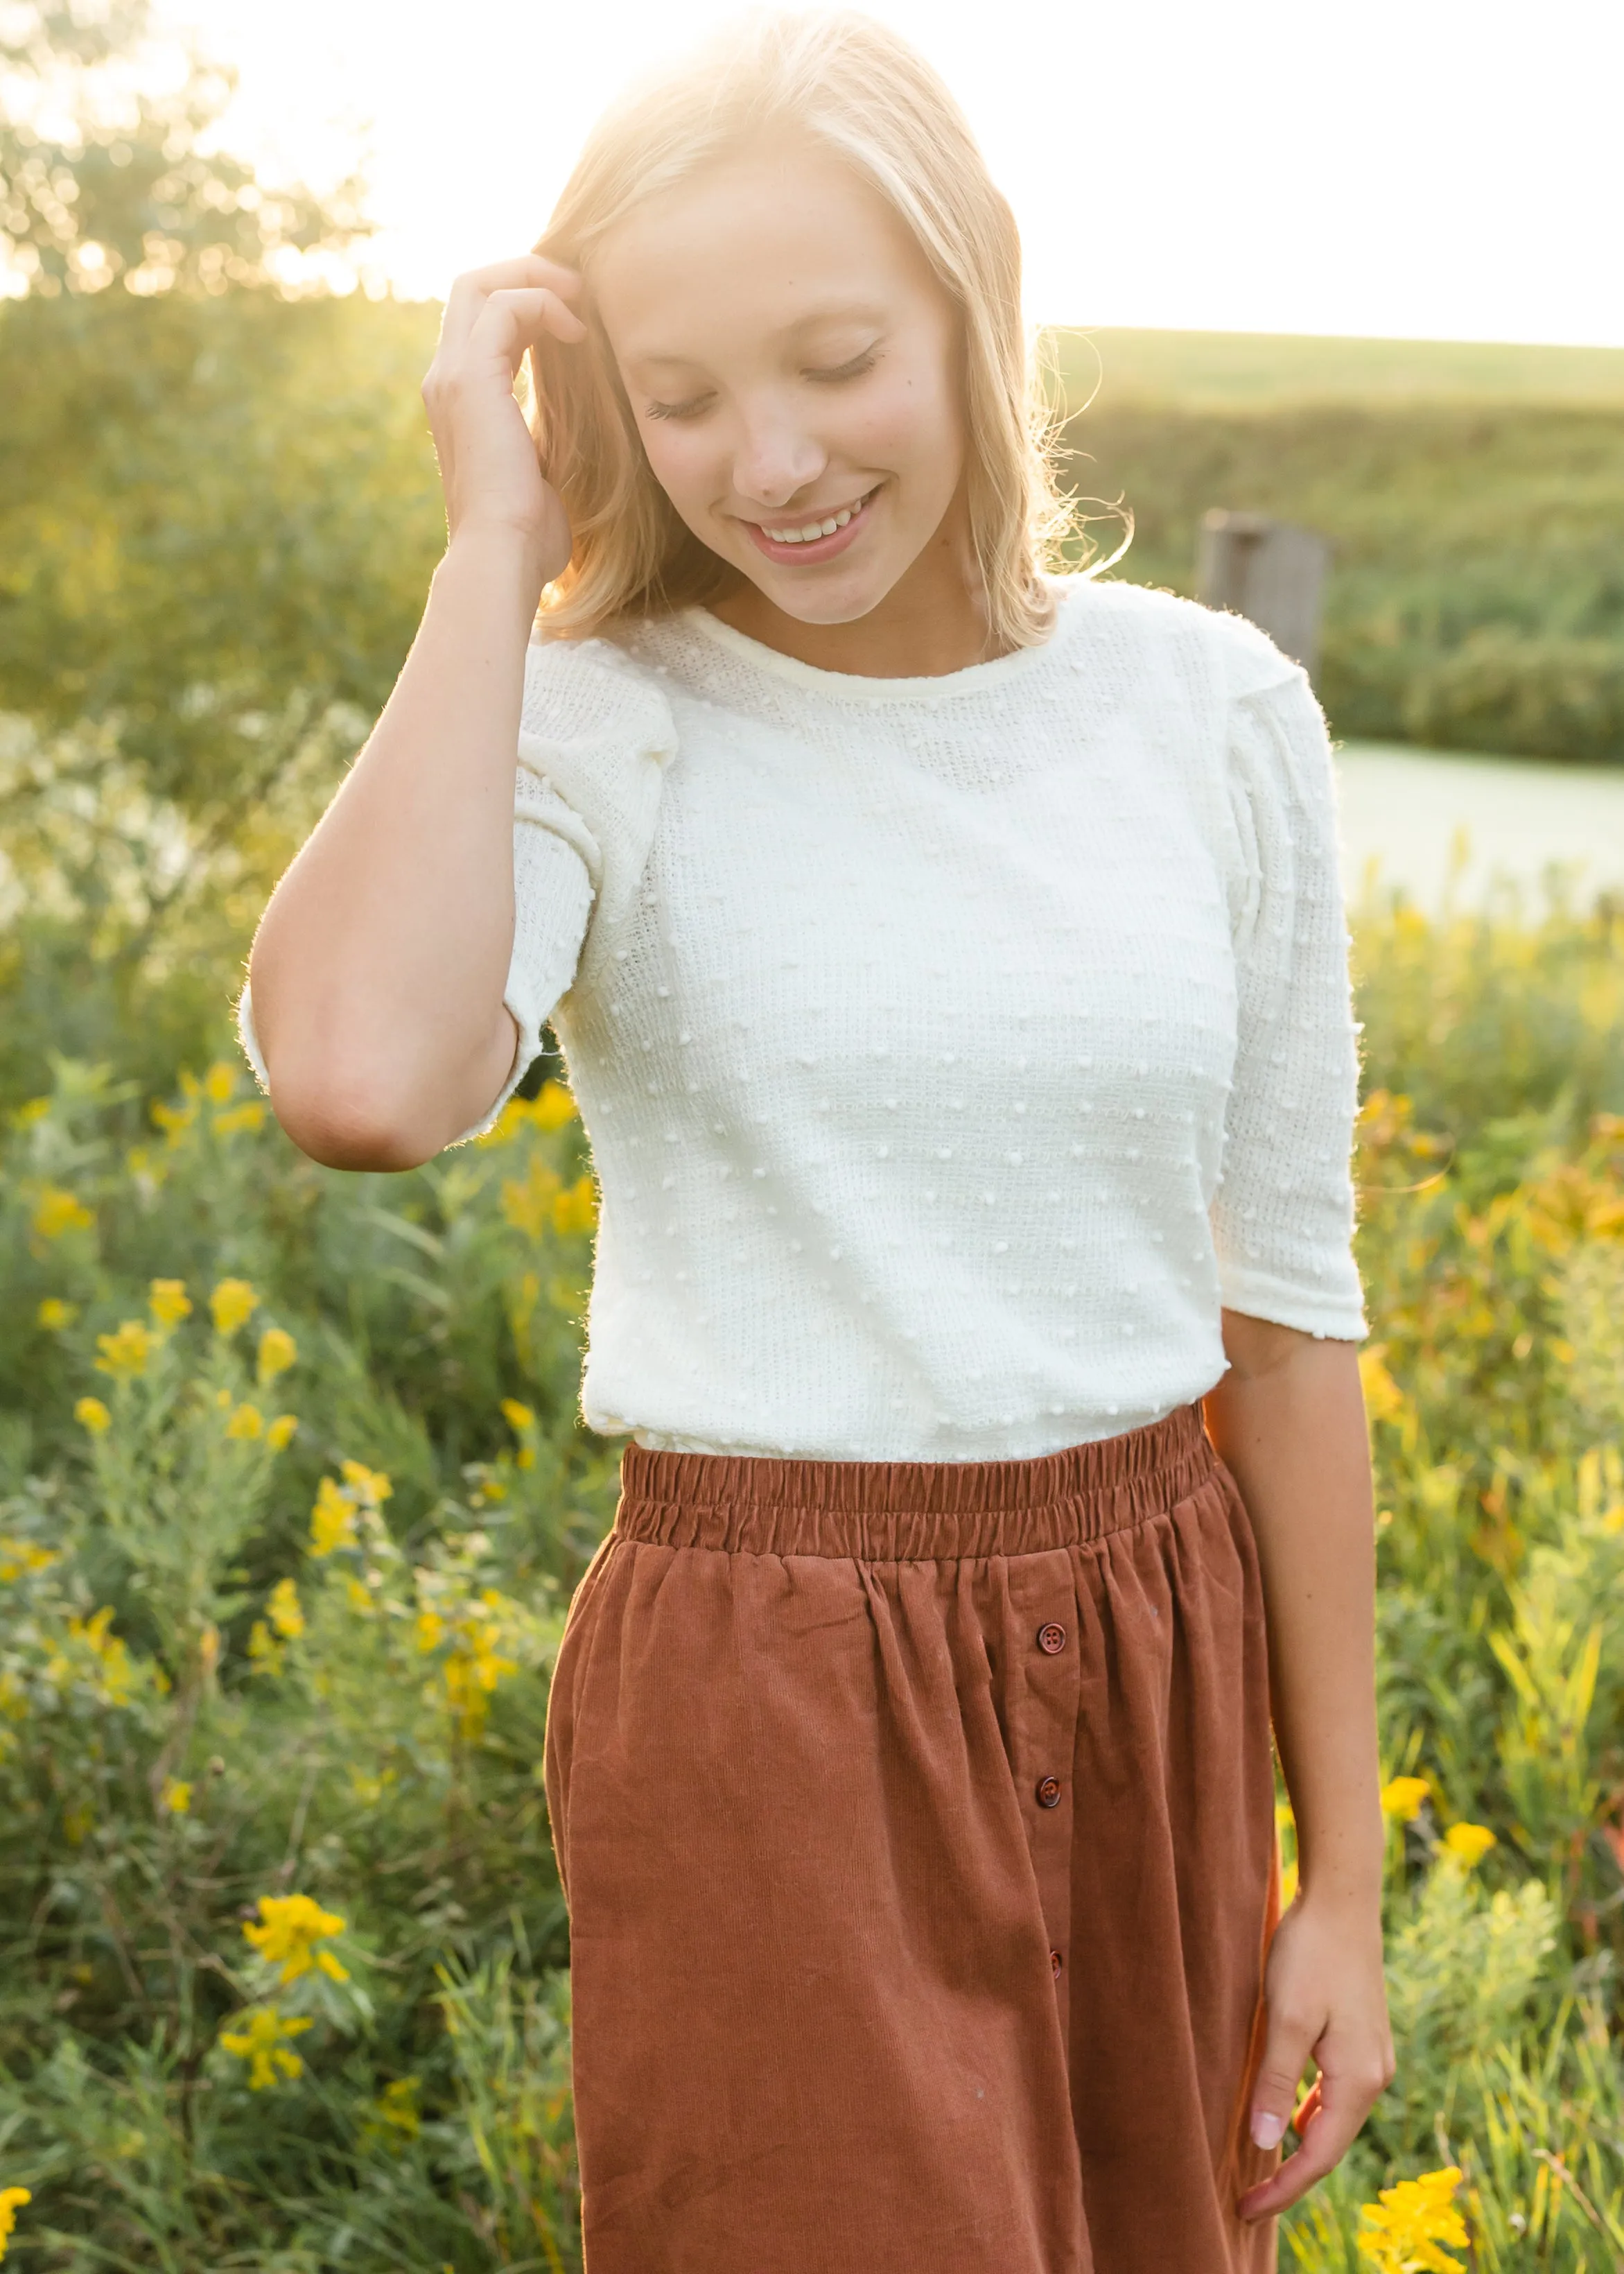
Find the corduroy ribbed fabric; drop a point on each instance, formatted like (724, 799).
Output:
(916, 1823)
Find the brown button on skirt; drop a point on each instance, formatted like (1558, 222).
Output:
(916, 1822)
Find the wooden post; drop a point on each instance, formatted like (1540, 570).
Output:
(1268, 571)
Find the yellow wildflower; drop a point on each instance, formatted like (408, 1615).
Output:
(394, 2116)
(20, 1555)
(173, 1120)
(431, 1630)
(32, 1109)
(75, 1823)
(332, 1520)
(219, 1081)
(284, 1609)
(169, 1301)
(507, 1125)
(1403, 2232)
(11, 2201)
(288, 1929)
(208, 1647)
(175, 1798)
(1384, 1400)
(518, 1416)
(113, 1675)
(232, 1303)
(267, 1654)
(260, 2039)
(1469, 1843)
(360, 1598)
(247, 1424)
(1403, 1796)
(576, 1209)
(57, 1211)
(92, 1415)
(248, 1116)
(528, 1202)
(476, 1663)
(280, 1432)
(54, 1315)
(372, 1484)
(126, 1354)
(277, 1351)
(553, 1107)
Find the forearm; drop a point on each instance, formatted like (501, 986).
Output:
(379, 967)
(1289, 1422)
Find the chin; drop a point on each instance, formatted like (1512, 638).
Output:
(827, 600)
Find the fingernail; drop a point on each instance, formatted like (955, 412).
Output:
(1268, 2131)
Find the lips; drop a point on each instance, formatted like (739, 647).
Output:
(802, 543)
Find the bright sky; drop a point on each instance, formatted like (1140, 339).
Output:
(1442, 169)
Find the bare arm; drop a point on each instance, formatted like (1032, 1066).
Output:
(1289, 1422)
(378, 971)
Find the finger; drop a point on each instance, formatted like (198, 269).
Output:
(1274, 2092)
(526, 315)
(1326, 2136)
(505, 325)
(469, 293)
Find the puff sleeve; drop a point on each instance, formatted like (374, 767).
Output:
(1283, 1215)
(595, 733)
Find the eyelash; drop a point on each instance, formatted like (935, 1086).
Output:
(858, 367)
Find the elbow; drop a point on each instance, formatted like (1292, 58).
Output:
(348, 1119)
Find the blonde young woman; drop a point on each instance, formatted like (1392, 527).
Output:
(949, 962)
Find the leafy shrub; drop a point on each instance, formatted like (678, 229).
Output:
(283, 1933)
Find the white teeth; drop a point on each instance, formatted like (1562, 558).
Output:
(815, 529)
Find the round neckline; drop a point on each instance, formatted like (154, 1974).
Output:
(858, 687)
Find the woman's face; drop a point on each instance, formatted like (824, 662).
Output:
(791, 361)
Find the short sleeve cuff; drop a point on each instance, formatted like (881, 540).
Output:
(1336, 1313)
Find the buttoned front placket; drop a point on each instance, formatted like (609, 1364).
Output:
(1038, 1673)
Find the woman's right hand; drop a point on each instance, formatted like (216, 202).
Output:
(487, 457)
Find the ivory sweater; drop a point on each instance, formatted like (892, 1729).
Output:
(950, 1050)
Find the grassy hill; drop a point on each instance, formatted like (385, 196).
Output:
(1474, 495)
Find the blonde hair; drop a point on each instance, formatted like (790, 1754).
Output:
(846, 83)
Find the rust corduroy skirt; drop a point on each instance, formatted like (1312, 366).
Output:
(916, 1823)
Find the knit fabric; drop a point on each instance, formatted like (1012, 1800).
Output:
(950, 1050)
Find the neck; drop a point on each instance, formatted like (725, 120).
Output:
(932, 620)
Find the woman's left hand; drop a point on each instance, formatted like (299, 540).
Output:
(1326, 2003)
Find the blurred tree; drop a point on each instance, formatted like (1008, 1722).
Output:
(217, 499)
(104, 173)
(217, 520)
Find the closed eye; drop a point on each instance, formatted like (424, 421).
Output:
(688, 409)
(855, 369)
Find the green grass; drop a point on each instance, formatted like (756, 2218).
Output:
(1270, 370)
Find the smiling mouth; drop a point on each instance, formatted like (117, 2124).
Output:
(810, 531)
(814, 539)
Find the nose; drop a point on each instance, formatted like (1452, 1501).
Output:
(775, 458)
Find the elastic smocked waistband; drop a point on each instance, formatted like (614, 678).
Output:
(884, 1511)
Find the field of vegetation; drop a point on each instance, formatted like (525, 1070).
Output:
(292, 1491)
(1473, 497)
